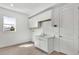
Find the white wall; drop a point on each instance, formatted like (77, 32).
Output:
(22, 34)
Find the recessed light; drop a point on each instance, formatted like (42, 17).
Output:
(11, 5)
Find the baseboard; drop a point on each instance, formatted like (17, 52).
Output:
(16, 44)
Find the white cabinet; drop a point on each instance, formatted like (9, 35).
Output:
(33, 23)
(36, 41)
(65, 26)
(45, 44)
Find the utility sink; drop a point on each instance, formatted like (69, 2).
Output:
(46, 36)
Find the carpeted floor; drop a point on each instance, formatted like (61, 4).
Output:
(25, 49)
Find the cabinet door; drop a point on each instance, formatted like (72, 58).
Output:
(33, 23)
(67, 29)
(43, 44)
(36, 42)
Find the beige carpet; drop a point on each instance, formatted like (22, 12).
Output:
(25, 49)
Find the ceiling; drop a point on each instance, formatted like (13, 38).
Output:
(27, 8)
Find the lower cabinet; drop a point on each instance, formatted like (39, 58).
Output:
(36, 42)
(45, 44)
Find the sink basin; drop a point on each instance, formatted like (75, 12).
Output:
(46, 36)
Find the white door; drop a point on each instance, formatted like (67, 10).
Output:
(67, 29)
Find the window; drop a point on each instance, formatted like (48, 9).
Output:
(9, 23)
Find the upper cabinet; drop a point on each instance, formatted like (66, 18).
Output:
(34, 21)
